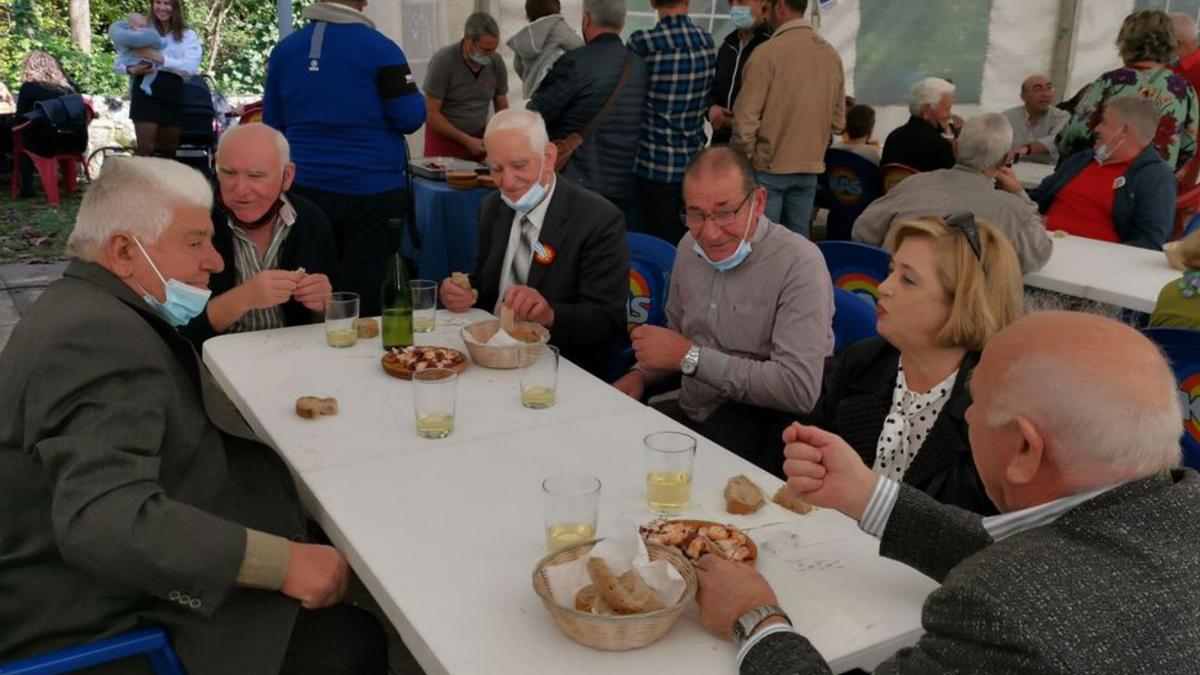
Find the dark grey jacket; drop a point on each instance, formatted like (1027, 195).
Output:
(127, 482)
(1109, 587)
(571, 95)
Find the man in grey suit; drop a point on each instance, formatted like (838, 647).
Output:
(1090, 568)
(132, 491)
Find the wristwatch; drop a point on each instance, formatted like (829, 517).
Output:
(746, 623)
(690, 361)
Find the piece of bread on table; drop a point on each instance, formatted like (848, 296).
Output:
(309, 407)
(367, 328)
(626, 594)
(588, 600)
(742, 496)
(785, 498)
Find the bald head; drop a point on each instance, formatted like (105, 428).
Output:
(1095, 395)
(1037, 93)
(1184, 28)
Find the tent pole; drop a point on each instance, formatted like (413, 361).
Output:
(1063, 58)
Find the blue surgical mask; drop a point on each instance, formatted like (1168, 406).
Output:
(737, 257)
(1103, 152)
(741, 17)
(183, 303)
(481, 59)
(532, 197)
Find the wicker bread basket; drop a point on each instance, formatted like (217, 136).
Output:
(477, 334)
(614, 632)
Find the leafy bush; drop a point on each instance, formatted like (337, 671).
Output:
(246, 36)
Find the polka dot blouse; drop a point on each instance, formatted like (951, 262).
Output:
(908, 423)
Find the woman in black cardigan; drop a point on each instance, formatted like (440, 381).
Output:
(900, 400)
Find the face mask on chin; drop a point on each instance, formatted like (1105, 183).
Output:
(183, 302)
(1104, 153)
(532, 197)
(737, 257)
(480, 59)
(741, 17)
(264, 219)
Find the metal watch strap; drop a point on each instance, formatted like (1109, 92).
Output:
(691, 361)
(746, 623)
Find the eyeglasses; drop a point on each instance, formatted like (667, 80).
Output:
(723, 218)
(965, 222)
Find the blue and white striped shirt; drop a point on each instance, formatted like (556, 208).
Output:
(681, 59)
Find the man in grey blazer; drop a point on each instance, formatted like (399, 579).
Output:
(132, 491)
(1090, 568)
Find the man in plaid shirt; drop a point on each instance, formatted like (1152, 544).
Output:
(680, 60)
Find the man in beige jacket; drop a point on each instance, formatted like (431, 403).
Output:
(792, 102)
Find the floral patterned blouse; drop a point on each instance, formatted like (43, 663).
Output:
(1177, 107)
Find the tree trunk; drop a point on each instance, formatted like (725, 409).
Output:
(216, 23)
(81, 25)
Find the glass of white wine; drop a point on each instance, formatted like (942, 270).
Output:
(424, 297)
(434, 393)
(538, 375)
(572, 504)
(341, 311)
(670, 456)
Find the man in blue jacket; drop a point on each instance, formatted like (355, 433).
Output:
(1120, 191)
(344, 96)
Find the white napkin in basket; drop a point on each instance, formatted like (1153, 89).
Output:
(620, 553)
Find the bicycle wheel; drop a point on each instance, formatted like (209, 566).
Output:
(95, 161)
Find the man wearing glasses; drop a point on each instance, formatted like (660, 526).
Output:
(1036, 121)
(749, 314)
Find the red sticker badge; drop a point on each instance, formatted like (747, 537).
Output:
(543, 253)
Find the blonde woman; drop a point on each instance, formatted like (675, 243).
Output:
(900, 399)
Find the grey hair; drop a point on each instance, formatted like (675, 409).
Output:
(928, 91)
(137, 195)
(282, 147)
(1183, 26)
(1091, 421)
(985, 141)
(480, 24)
(522, 120)
(1140, 113)
(606, 13)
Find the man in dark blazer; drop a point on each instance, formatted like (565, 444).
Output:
(552, 251)
(278, 248)
(1090, 567)
(133, 492)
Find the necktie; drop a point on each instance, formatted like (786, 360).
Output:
(523, 256)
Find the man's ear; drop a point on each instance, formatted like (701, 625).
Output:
(289, 174)
(1028, 461)
(121, 254)
(551, 156)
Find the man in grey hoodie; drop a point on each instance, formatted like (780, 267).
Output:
(537, 46)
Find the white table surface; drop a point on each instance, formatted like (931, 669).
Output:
(445, 534)
(1116, 274)
(1031, 174)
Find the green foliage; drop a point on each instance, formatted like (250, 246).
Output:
(246, 36)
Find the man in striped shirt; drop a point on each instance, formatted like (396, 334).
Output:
(680, 61)
(278, 248)
(1098, 525)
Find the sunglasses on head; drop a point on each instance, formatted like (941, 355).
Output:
(965, 222)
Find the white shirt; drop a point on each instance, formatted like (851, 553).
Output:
(536, 217)
(182, 57)
(908, 423)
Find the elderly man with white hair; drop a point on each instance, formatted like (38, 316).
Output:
(923, 142)
(279, 249)
(133, 492)
(552, 251)
(1090, 566)
(1187, 48)
(983, 159)
(1119, 191)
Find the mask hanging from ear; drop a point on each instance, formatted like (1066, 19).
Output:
(183, 302)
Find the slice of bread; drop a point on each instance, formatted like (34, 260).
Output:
(742, 496)
(626, 594)
(309, 407)
(785, 498)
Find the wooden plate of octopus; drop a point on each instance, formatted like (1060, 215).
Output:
(695, 538)
(402, 363)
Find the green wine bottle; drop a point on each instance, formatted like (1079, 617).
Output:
(396, 299)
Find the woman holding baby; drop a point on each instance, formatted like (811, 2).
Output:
(158, 52)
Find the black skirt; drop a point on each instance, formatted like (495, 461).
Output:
(164, 106)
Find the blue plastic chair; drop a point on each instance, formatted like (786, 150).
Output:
(850, 183)
(151, 642)
(1182, 347)
(853, 319)
(650, 263)
(858, 268)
